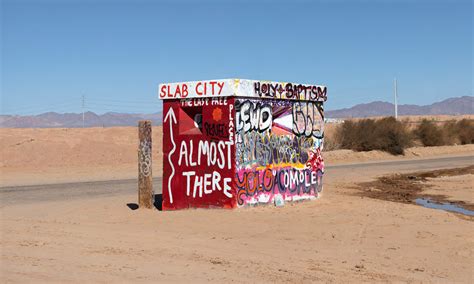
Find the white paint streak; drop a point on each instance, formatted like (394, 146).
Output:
(172, 120)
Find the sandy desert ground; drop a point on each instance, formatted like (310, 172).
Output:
(341, 237)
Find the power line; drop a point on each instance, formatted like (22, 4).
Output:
(125, 101)
(30, 108)
(122, 105)
(99, 110)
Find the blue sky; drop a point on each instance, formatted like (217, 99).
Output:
(115, 53)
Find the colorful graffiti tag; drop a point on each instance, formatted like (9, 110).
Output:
(233, 151)
(280, 158)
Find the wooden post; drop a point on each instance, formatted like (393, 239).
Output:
(145, 178)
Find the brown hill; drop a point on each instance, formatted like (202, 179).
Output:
(453, 106)
(91, 119)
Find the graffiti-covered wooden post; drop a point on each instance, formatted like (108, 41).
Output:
(145, 178)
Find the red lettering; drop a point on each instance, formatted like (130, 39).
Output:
(212, 84)
(199, 93)
(163, 91)
(221, 86)
(210, 88)
(184, 91)
(178, 91)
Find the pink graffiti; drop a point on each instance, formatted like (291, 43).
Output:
(315, 161)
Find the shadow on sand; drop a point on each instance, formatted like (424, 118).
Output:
(158, 200)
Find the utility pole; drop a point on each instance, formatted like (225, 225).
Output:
(395, 97)
(83, 105)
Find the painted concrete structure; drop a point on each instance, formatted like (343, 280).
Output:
(232, 143)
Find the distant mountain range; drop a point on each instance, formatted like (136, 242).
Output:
(452, 106)
(91, 119)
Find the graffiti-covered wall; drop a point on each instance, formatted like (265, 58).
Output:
(233, 143)
(278, 150)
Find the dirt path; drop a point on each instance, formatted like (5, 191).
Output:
(65, 155)
(77, 190)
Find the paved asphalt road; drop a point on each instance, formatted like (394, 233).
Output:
(69, 191)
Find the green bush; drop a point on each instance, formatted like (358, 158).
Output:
(385, 134)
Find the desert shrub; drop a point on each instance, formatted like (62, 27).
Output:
(465, 131)
(450, 133)
(331, 143)
(385, 134)
(392, 136)
(431, 134)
